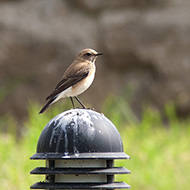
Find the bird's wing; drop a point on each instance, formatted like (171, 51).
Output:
(69, 80)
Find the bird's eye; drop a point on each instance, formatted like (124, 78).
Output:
(88, 54)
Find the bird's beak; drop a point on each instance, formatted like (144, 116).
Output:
(99, 53)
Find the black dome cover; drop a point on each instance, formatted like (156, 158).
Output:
(76, 132)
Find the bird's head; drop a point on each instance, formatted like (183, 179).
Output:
(88, 55)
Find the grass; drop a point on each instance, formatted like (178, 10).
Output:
(160, 157)
(160, 151)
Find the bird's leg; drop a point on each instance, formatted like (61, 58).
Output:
(83, 106)
(72, 102)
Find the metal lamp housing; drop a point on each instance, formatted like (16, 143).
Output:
(79, 147)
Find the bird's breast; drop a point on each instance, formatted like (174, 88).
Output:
(84, 84)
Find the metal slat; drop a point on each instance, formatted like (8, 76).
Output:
(114, 170)
(91, 155)
(45, 185)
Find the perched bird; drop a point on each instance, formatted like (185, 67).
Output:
(76, 79)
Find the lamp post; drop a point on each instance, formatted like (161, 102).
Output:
(79, 147)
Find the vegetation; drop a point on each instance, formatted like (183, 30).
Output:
(160, 151)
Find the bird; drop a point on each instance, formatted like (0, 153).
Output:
(77, 78)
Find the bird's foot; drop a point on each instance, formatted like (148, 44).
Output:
(93, 109)
(86, 108)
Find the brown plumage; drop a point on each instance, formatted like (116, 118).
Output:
(76, 79)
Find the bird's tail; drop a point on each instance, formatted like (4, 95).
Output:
(47, 105)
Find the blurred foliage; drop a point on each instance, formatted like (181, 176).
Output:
(159, 150)
(118, 111)
(160, 154)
